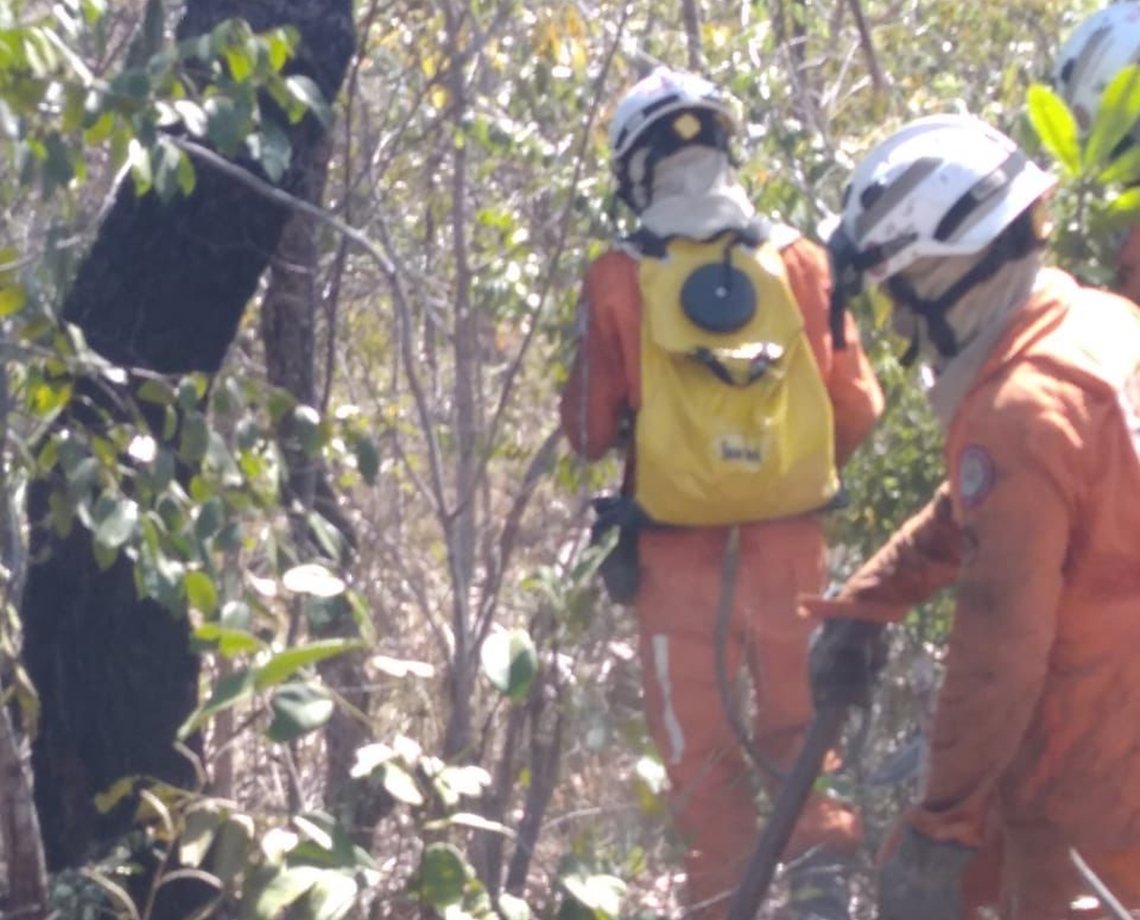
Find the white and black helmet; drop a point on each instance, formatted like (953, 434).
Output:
(1099, 48)
(944, 185)
(704, 114)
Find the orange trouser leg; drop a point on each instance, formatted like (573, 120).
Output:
(710, 779)
(710, 786)
(1040, 882)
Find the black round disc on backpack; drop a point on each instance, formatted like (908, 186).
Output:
(718, 297)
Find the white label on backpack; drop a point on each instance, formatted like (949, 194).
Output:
(740, 451)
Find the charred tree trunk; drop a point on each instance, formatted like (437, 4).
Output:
(162, 289)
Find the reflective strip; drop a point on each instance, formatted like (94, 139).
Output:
(668, 713)
(890, 197)
(981, 192)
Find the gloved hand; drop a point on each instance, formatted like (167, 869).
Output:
(923, 879)
(844, 659)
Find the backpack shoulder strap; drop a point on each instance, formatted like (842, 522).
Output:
(643, 243)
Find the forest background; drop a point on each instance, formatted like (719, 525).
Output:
(415, 697)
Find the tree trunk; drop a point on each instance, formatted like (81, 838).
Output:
(19, 829)
(288, 332)
(163, 289)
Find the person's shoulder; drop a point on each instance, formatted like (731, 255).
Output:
(611, 287)
(616, 263)
(803, 258)
(1029, 413)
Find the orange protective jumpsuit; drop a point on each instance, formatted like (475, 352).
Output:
(1036, 740)
(1128, 266)
(680, 586)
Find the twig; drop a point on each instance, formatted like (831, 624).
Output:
(1107, 899)
(691, 14)
(508, 535)
(560, 246)
(268, 190)
(868, 47)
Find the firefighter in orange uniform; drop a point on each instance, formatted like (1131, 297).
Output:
(1036, 736)
(922, 557)
(706, 333)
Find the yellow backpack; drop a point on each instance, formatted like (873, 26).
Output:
(735, 423)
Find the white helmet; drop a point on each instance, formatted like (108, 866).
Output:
(1100, 47)
(944, 185)
(662, 92)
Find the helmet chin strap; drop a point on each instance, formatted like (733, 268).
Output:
(1019, 239)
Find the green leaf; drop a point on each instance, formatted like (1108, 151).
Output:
(400, 784)
(231, 850)
(402, 667)
(199, 828)
(287, 887)
(12, 299)
(1126, 204)
(297, 710)
(139, 159)
(1118, 113)
(329, 537)
(1055, 126)
(313, 578)
(210, 518)
(332, 896)
(58, 169)
(599, 893)
(285, 664)
(157, 391)
(230, 642)
(367, 458)
(443, 875)
(510, 662)
(117, 521)
(194, 437)
(452, 783)
(225, 126)
(235, 615)
(201, 592)
(305, 91)
(281, 43)
(229, 691)
(474, 821)
(240, 62)
(513, 908)
(167, 160)
(305, 427)
(193, 116)
(271, 148)
(1123, 169)
(187, 176)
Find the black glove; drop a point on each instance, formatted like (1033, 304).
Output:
(620, 570)
(844, 659)
(923, 878)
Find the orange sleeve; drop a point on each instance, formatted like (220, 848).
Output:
(604, 381)
(1012, 481)
(855, 393)
(920, 558)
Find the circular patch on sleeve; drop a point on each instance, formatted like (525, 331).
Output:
(975, 475)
